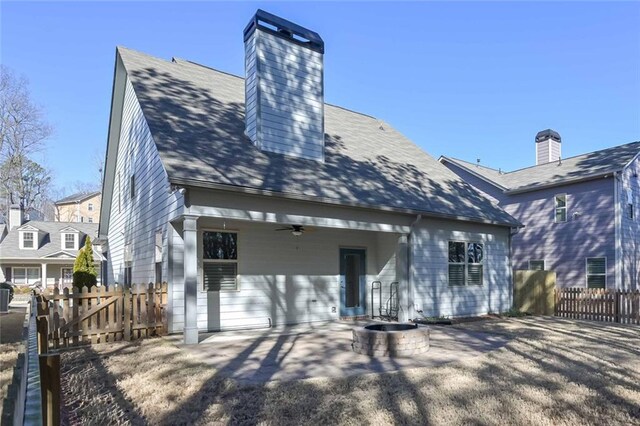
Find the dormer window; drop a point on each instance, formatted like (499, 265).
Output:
(28, 240)
(69, 241)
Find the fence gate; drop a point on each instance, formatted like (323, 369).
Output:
(104, 314)
(533, 292)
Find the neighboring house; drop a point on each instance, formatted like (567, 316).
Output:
(579, 213)
(284, 210)
(80, 207)
(34, 250)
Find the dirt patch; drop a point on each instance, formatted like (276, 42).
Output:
(552, 372)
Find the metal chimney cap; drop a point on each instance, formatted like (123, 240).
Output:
(285, 29)
(548, 134)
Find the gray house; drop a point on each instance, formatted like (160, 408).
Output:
(43, 251)
(262, 205)
(579, 213)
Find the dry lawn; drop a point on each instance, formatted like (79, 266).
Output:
(8, 357)
(553, 372)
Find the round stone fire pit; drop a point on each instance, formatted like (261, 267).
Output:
(392, 340)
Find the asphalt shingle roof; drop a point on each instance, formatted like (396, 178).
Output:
(584, 166)
(80, 196)
(51, 241)
(196, 118)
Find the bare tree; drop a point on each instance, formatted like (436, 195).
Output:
(26, 183)
(23, 129)
(23, 132)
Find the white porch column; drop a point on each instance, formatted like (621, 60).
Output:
(190, 238)
(402, 275)
(43, 275)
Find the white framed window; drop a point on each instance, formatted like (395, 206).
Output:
(90, 219)
(466, 260)
(25, 275)
(596, 272)
(69, 241)
(90, 207)
(536, 265)
(28, 240)
(219, 261)
(560, 201)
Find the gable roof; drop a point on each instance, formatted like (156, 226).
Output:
(51, 242)
(196, 117)
(77, 197)
(573, 169)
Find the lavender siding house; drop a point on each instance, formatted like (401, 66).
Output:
(579, 213)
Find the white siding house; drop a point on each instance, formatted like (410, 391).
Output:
(250, 236)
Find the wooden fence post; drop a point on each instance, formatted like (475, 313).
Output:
(616, 305)
(127, 313)
(50, 388)
(42, 327)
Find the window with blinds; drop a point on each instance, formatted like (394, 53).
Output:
(219, 261)
(465, 263)
(596, 272)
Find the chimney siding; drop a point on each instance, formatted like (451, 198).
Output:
(548, 146)
(284, 95)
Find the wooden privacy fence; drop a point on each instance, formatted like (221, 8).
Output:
(104, 314)
(533, 291)
(598, 304)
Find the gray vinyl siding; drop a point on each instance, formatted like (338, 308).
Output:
(542, 152)
(555, 150)
(135, 220)
(429, 274)
(588, 232)
(284, 96)
(630, 227)
(283, 279)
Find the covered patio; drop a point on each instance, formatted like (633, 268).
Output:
(248, 262)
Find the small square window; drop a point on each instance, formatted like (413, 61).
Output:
(536, 265)
(90, 207)
(90, 219)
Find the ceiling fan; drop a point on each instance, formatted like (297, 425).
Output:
(296, 230)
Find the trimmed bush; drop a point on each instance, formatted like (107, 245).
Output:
(84, 271)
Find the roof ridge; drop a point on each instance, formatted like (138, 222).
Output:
(572, 157)
(477, 165)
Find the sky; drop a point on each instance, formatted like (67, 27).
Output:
(470, 80)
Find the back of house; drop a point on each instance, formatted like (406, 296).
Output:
(261, 204)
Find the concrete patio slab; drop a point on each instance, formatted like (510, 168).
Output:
(301, 352)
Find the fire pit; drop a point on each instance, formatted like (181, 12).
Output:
(392, 340)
